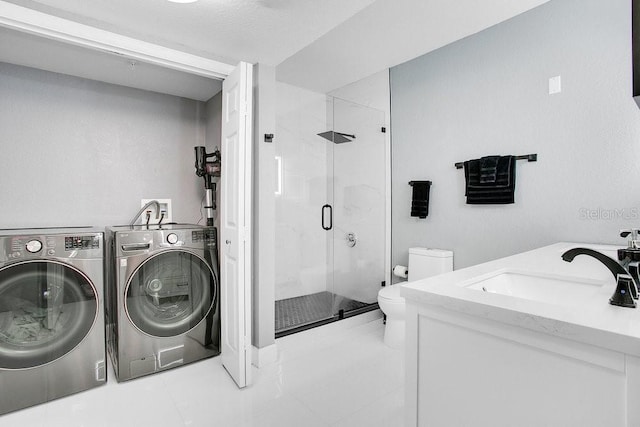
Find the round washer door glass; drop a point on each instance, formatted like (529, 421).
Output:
(170, 293)
(46, 310)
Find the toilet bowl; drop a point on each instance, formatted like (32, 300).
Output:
(393, 306)
(423, 263)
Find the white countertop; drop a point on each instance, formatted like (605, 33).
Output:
(592, 320)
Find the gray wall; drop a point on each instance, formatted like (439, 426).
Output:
(213, 113)
(80, 152)
(264, 178)
(213, 135)
(488, 94)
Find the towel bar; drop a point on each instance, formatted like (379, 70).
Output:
(527, 157)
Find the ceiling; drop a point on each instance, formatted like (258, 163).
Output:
(388, 33)
(316, 44)
(64, 58)
(265, 31)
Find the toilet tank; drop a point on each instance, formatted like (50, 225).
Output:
(425, 262)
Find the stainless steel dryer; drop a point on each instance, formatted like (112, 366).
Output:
(52, 339)
(163, 308)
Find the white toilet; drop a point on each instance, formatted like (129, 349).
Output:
(423, 263)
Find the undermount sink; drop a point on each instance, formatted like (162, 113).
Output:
(553, 289)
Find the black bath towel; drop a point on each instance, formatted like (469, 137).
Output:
(483, 191)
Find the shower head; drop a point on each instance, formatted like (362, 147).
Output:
(337, 137)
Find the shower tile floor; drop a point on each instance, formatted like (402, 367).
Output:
(306, 309)
(340, 374)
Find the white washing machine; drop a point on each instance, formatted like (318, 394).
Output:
(52, 337)
(163, 308)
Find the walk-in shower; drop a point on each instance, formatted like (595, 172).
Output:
(330, 209)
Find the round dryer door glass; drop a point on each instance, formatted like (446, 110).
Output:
(46, 310)
(170, 293)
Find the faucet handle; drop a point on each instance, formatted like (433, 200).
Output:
(633, 241)
(633, 231)
(624, 290)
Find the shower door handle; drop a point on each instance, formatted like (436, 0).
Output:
(324, 227)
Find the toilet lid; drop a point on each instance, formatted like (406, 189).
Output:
(391, 293)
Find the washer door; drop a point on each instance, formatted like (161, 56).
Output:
(46, 310)
(170, 293)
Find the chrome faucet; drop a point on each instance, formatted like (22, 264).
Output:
(627, 286)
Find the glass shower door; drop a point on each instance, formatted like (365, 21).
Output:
(356, 189)
(302, 289)
(330, 209)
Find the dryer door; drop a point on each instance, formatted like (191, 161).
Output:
(46, 310)
(170, 293)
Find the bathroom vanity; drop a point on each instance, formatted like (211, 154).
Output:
(527, 340)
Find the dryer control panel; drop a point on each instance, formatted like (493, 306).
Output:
(208, 236)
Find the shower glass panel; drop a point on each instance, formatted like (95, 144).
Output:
(356, 187)
(330, 208)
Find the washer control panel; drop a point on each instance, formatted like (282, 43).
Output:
(81, 242)
(28, 246)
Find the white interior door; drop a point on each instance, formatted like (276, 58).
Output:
(235, 221)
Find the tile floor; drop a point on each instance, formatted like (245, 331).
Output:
(336, 375)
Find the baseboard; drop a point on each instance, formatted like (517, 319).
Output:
(264, 356)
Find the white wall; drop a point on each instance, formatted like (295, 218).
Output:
(488, 94)
(372, 91)
(79, 152)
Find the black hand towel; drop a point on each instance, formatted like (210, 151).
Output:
(420, 198)
(490, 193)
